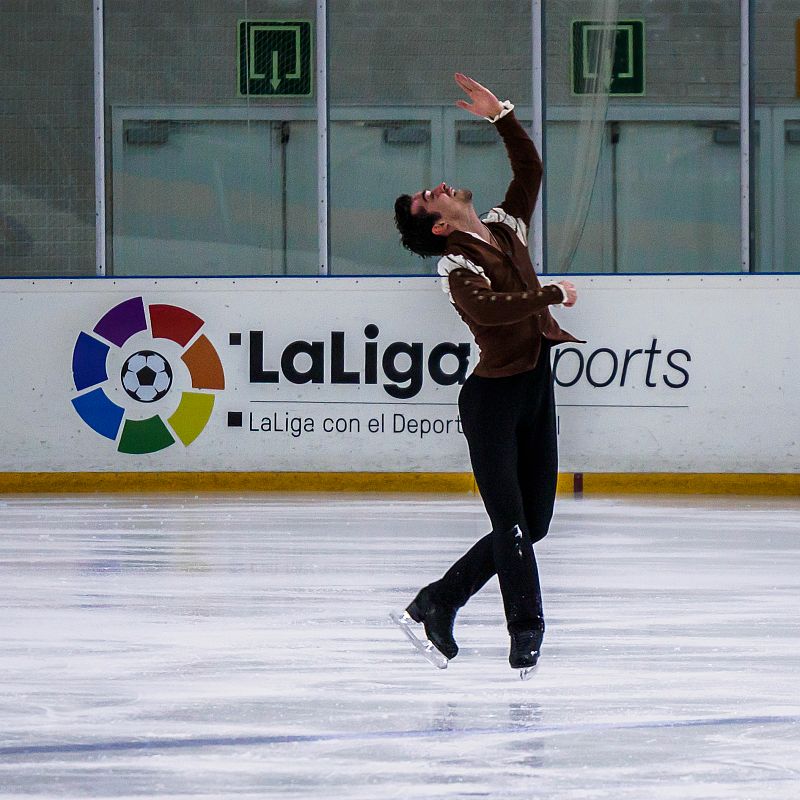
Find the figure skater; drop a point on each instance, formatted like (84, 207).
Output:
(507, 404)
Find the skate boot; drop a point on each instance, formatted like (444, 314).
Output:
(439, 646)
(438, 621)
(525, 650)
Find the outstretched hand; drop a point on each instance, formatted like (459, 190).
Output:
(484, 103)
(572, 293)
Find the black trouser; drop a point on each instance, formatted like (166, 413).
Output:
(510, 425)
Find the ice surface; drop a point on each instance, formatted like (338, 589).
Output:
(219, 647)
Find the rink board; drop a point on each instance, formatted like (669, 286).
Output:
(679, 374)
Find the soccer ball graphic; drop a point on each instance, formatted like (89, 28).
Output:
(146, 376)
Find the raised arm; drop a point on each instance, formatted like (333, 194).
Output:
(526, 165)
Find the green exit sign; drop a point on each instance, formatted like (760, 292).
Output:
(275, 58)
(627, 72)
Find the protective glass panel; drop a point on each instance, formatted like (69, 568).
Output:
(596, 252)
(776, 87)
(213, 138)
(214, 198)
(368, 161)
(47, 214)
(642, 156)
(791, 199)
(677, 198)
(396, 125)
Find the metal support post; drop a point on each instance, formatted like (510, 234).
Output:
(99, 142)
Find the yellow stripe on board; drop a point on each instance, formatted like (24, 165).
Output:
(778, 485)
(43, 482)
(424, 482)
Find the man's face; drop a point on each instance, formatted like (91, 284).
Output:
(444, 200)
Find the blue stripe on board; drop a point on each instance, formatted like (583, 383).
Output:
(249, 741)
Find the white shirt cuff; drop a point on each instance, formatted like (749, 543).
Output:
(563, 291)
(508, 106)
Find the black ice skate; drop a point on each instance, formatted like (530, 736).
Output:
(438, 620)
(525, 649)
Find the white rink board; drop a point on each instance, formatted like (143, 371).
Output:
(728, 345)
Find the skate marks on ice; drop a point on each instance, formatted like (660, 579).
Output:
(423, 646)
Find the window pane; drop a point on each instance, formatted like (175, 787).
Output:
(47, 215)
(211, 174)
(649, 183)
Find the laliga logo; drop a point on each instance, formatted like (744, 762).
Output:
(126, 372)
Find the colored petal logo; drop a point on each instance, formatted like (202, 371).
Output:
(129, 366)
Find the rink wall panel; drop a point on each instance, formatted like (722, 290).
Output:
(680, 374)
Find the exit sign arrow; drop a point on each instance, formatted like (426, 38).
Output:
(275, 80)
(275, 58)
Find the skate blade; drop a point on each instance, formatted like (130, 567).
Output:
(423, 646)
(526, 673)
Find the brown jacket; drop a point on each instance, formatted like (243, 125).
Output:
(497, 292)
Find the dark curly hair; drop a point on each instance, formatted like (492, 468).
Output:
(415, 229)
